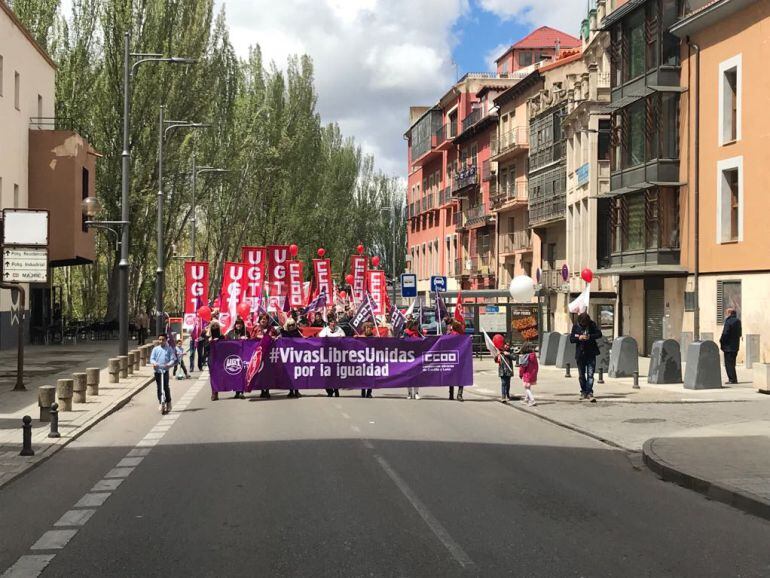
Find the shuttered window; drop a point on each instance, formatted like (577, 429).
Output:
(728, 297)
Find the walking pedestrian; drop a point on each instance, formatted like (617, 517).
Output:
(179, 352)
(528, 368)
(291, 330)
(504, 361)
(455, 328)
(412, 331)
(261, 329)
(142, 321)
(730, 342)
(162, 358)
(238, 332)
(584, 335)
(332, 330)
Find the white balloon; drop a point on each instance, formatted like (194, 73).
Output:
(522, 289)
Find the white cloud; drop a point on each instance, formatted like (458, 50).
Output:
(492, 55)
(373, 58)
(565, 15)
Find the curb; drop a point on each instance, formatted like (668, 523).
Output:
(65, 441)
(721, 493)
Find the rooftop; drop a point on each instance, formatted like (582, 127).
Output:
(544, 37)
(16, 22)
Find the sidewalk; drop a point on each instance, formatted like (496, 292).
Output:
(713, 441)
(44, 365)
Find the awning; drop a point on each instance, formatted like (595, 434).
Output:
(625, 101)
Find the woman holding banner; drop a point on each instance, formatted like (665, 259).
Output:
(368, 332)
(261, 329)
(332, 330)
(412, 331)
(238, 332)
(291, 330)
(456, 328)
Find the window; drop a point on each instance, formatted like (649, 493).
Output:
(634, 216)
(730, 200)
(85, 187)
(728, 297)
(669, 125)
(525, 58)
(16, 89)
(635, 134)
(635, 37)
(605, 128)
(730, 100)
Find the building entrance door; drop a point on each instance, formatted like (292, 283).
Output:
(654, 311)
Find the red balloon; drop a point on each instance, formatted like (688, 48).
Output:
(499, 341)
(293, 250)
(587, 275)
(343, 295)
(360, 249)
(321, 252)
(349, 279)
(204, 313)
(375, 261)
(243, 310)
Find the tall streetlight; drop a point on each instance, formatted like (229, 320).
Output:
(392, 211)
(164, 127)
(128, 73)
(196, 170)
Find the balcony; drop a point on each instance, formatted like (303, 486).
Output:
(425, 137)
(429, 202)
(464, 178)
(482, 264)
(476, 217)
(551, 279)
(510, 143)
(487, 174)
(461, 268)
(445, 196)
(545, 211)
(516, 242)
(510, 194)
(471, 119)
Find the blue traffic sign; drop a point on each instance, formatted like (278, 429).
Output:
(408, 285)
(438, 283)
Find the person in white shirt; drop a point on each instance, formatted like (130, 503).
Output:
(332, 330)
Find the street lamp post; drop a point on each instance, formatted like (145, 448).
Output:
(196, 170)
(392, 210)
(164, 127)
(128, 72)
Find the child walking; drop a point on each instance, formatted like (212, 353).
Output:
(505, 371)
(528, 372)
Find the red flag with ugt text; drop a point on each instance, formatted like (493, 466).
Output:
(278, 272)
(196, 290)
(358, 271)
(377, 288)
(459, 313)
(233, 291)
(296, 297)
(322, 270)
(255, 261)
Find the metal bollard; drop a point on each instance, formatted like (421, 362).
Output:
(26, 436)
(54, 433)
(567, 373)
(636, 380)
(601, 375)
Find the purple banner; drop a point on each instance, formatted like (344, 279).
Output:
(342, 362)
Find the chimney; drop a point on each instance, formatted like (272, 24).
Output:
(557, 46)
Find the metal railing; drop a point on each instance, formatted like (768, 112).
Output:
(510, 192)
(486, 171)
(471, 119)
(465, 177)
(517, 241)
(603, 80)
(549, 209)
(516, 137)
(551, 278)
(445, 196)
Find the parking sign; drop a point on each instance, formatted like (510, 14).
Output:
(438, 283)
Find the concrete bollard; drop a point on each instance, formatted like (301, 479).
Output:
(46, 397)
(137, 359)
(113, 366)
(92, 380)
(123, 366)
(624, 357)
(130, 363)
(703, 370)
(549, 348)
(79, 389)
(761, 377)
(54, 433)
(753, 350)
(665, 363)
(64, 389)
(565, 352)
(26, 437)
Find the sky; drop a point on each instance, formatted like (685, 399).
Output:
(375, 58)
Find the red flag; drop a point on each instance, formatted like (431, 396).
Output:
(296, 298)
(358, 270)
(196, 281)
(459, 313)
(255, 261)
(323, 278)
(233, 289)
(378, 289)
(278, 257)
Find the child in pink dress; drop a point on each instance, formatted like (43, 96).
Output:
(528, 372)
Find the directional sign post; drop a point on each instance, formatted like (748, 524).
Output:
(28, 265)
(408, 285)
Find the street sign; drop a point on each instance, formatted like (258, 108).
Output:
(565, 272)
(408, 285)
(25, 265)
(438, 283)
(28, 227)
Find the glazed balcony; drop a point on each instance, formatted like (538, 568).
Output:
(465, 178)
(516, 242)
(508, 195)
(510, 143)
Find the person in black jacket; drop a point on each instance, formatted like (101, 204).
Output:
(290, 329)
(730, 342)
(584, 335)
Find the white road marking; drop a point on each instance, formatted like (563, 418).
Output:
(147, 443)
(128, 462)
(138, 452)
(107, 485)
(29, 565)
(436, 527)
(54, 540)
(154, 435)
(367, 444)
(92, 500)
(75, 517)
(119, 473)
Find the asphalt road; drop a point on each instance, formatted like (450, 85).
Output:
(359, 487)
